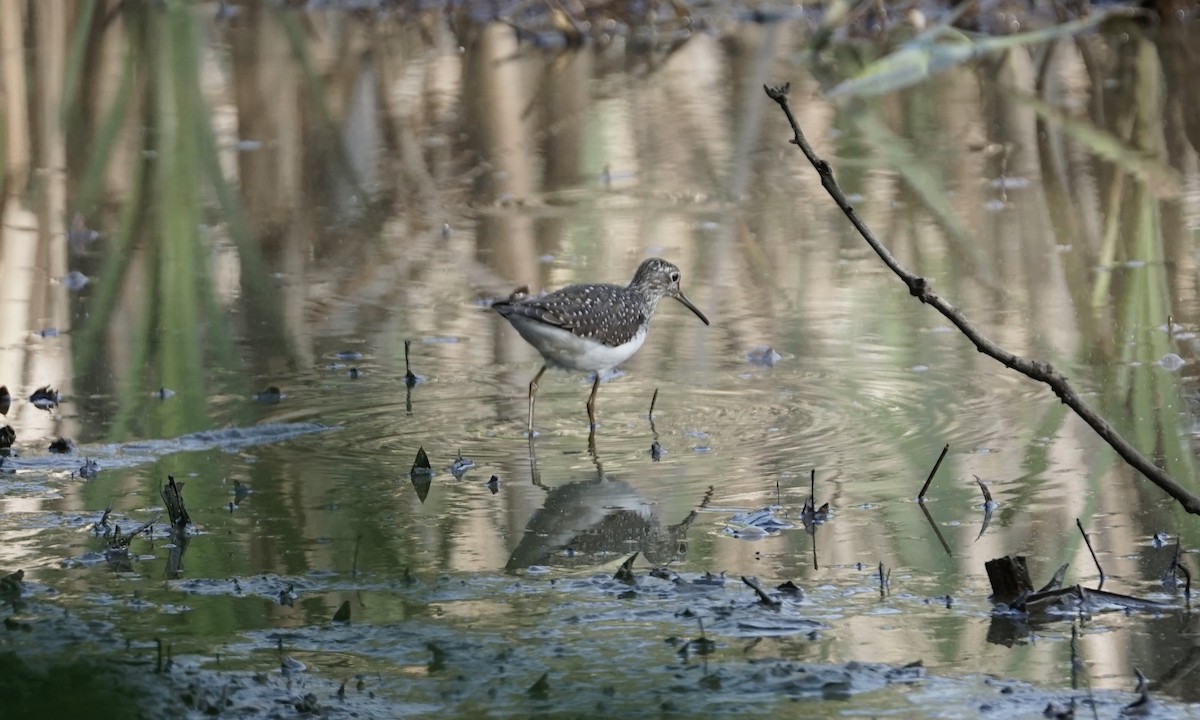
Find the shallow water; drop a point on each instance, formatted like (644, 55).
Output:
(480, 165)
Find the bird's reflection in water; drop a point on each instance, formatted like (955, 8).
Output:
(591, 522)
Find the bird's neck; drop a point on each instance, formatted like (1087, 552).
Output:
(648, 297)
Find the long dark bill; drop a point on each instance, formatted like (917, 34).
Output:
(688, 304)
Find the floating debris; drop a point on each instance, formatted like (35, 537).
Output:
(62, 446)
(1012, 590)
(270, 396)
(763, 519)
(163, 393)
(118, 544)
(7, 436)
(11, 586)
(343, 613)
(421, 474)
(308, 705)
(421, 465)
(625, 572)
(101, 526)
(1056, 580)
(354, 373)
(44, 398)
(48, 332)
(461, 466)
(656, 451)
(74, 280)
(790, 588)
(172, 496)
(709, 579)
(1171, 362)
(989, 506)
(746, 533)
(349, 355)
(1144, 705)
(810, 515)
(89, 469)
(988, 503)
(288, 596)
(1160, 540)
(540, 690)
(494, 484)
(763, 597)
(5, 400)
(763, 356)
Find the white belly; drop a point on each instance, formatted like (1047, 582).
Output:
(567, 350)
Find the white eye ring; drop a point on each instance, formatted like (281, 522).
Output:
(674, 277)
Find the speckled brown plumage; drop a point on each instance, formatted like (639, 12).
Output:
(609, 314)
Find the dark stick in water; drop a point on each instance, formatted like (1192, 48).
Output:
(1088, 540)
(928, 480)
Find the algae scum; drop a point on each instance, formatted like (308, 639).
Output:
(130, 628)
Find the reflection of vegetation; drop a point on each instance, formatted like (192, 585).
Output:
(1152, 393)
(943, 47)
(179, 327)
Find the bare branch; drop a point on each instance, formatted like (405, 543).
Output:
(1038, 370)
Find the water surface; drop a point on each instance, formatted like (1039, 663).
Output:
(281, 198)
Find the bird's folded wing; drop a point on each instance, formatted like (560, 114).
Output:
(596, 313)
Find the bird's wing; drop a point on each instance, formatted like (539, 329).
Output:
(590, 311)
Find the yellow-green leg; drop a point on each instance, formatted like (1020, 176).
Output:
(591, 405)
(533, 396)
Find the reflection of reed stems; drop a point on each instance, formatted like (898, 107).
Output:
(1038, 370)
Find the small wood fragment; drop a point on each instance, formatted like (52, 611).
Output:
(625, 572)
(1009, 577)
(763, 597)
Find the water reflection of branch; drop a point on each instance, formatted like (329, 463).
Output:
(937, 531)
(1038, 370)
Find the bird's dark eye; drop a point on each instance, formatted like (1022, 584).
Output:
(674, 277)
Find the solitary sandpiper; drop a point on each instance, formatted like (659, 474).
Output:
(592, 327)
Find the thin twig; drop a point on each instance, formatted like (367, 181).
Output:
(936, 465)
(409, 378)
(1088, 540)
(653, 399)
(1187, 584)
(1037, 370)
